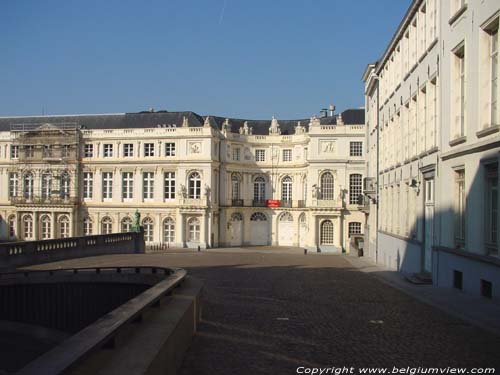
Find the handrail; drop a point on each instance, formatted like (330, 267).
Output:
(93, 337)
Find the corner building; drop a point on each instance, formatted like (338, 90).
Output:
(196, 181)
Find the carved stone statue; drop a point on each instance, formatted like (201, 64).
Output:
(136, 225)
(183, 191)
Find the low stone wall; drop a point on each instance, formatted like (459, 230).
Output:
(15, 254)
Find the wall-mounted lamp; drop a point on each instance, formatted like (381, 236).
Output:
(414, 184)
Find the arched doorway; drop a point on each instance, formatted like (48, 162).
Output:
(236, 230)
(259, 229)
(285, 229)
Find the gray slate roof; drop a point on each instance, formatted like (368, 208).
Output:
(164, 118)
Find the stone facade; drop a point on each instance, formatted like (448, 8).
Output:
(195, 181)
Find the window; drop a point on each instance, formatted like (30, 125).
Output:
(45, 227)
(194, 229)
(64, 227)
(356, 149)
(28, 227)
(287, 155)
(149, 149)
(28, 185)
(235, 187)
(169, 185)
(460, 208)
(148, 180)
(88, 150)
(47, 151)
(13, 184)
(354, 228)
(194, 184)
(66, 151)
(12, 226)
(87, 226)
(491, 205)
(106, 225)
(355, 186)
(260, 155)
(126, 224)
(259, 189)
(88, 184)
(65, 187)
(326, 232)
(168, 230)
(327, 184)
(258, 216)
(286, 189)
(127, 185)
(128, 150)
(459, 91)
(108, 150)
(46, 185)
(236, 153)
(494, 77)
(169, 149)
(29, 151)
(107, 185)
(14, 151)
(286, 216)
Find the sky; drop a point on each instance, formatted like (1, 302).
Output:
(243, 59)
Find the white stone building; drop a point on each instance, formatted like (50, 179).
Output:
(433, 145)
(196, 181)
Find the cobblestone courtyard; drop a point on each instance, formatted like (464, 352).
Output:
(272, 310)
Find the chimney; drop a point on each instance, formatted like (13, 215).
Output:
(324, 112)
(332, 110)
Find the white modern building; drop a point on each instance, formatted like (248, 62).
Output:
(196, 181)
(433, 146)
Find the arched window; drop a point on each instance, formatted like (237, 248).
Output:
(87, 226)
(302, 220)
(106, 225)
(28, 185)
(46, 185)
(286, 216)
(45, 227)
(194, 184)
(65, 185)
(327, 182)
(64, 226)
(12, 226)
(286, 189)
(147, 223)
(235, 187)
(258, 216)
(236, 217)
(355, 188)
(28, 227)
(194, 229)
(168, 230)
(126, 224)
(326, 232)
(259, 189)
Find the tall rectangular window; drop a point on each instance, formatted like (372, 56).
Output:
(29, 151)
(149, 149)
(354, 228)
(355, 187)
(127, 185)
(236, 154)
(148, 185)
(13, 184)
(494, 77)
(170, 149)
(491, 196)
(88, 184)
(108, 150)
(260, 155)
(169, 185)
(88, 151)
(14, 151)
(107, 185)
(459, 91)
(287, 155)
(460, 208)
(356, 149)
(128, 150)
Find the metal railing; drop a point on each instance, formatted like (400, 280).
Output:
(259, 203)
(237, 202)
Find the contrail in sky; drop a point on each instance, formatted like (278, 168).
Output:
(222, 12)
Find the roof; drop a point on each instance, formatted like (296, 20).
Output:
(165, 118)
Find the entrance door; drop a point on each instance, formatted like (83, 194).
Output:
(236, 232)
(285, 230)
(429, 224)
(259, 229)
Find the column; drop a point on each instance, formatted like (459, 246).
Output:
(117, 185)
(35, 225)
(179, 230)
(158, 229)
(97, 193)
(71, 224)
(203, 231)
(53, 232)
(338, 232)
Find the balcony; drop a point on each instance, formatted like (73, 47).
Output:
(237, 202)
(37, 200)
(259, 203)
(286, 204)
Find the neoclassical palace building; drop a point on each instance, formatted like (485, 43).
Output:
(196, 181)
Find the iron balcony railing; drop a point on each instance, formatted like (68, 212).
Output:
(237, 202)
(259, 203)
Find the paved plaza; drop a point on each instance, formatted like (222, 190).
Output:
(269, 311)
